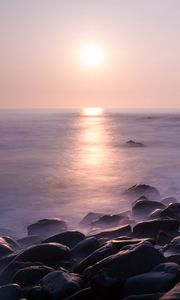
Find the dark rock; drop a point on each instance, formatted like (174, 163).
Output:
(85, 248)
(163, 238)
(47, 227)
(168, 200)
(136, 191)
(12, 243)
(173, 247)
(48, 253)
(58, 285)
(174, 258)
(108, 221)
(173, 294)
(154, 214)
(108, 276)
(68, 238)
(89, 218)
(143, 208)
(168, 267)
(29, 241)
(153, 227)
(143, 297)
(113, 233)
(5, 248)
(132, 143)
(30, 276)
(85, 294)
(33, 293)
(10, 292)
(172, 212)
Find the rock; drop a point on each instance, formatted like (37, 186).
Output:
(85, 294)
(108, 221)
(85, 248)
(174, 258)
(163, 238)
(152, 228)
(173, 294)
(33, 293)
(143, 297)
(132, 143)
(173, 247)
(113, 233)
(168, 200)
(47, 227)
(172, 212)
(108, 275)
(168, 267)
(30, 276)
(12, 243)
(58, 284)
(154, 214)
(143, 208)
(150, 283)
(136, 191)
(5, 248)
(68, 238)
(49, 253)
(89, 218)
(10, 292)
(29, 241)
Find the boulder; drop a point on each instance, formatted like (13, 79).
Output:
(154, 214)
(172, 212)
(47, 227)
(136, 191)
(58, 284)
(173, 247)
(108, 276)
(85, 248)
(113, 233)
(143, 297)
(85, 294)
(108, 221)
(168, 200)
(143, 208)
(152, 228)
(68, 238)
(5, 248)
(89, 218)
(29, 241)
(10, 292)
(30, 276)
(49, 253)
(173, 294)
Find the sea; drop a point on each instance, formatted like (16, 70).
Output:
(66, 164)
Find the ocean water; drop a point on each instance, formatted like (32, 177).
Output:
(65, 165)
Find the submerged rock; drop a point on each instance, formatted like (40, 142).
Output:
(68, 238)
(132, 143)
(108, 221)
(89, 218)
(113, 233)
(172, 212)
(143, 208)
(168, 200)
(58, 284)
(47, 227)
(136, 191)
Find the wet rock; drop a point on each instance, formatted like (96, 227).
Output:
(68, 238)
(58, 284)
(33, 293)
(136, 191)
(132, 143)
(154, 214)
(85, 248)
(173, 294)
(168, 200)
(152, 228)
(85, 294)
(173, 247)
(89, 218)
(29, 241)
(108, 221)
(10, 292)
(108, 276)
(30, 276)
(143, 297)
(143, 208)
(12, 243)
(114, 233)
(5, 247)
(172, 212)
(47, 227)
(163, 238)
(174, 258)
(49, 253)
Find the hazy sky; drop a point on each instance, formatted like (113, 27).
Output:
(41, 42)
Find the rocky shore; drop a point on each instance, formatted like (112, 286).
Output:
(131, 255)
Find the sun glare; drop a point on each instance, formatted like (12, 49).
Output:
(91, 55)
(92, 111)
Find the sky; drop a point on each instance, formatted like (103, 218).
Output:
(42, 42)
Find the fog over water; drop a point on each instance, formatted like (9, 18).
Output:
(65, 164)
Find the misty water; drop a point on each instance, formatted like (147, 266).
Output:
(65, 165)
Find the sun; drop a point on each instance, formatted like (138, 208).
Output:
(91, 55)
(92, 111)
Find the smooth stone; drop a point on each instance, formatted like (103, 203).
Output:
(85, 248)
(108, 276)
(33, 293)
(113, 233)
(89, 218)
(174, 258)
(30, 276)
(58, 284)
(143, 297)
(5, 248)
(143, 208)
(173, 294)
(150, 283)
(169, 200)
(151, 228)
(163, 238)
(108, 221)
(172, 211)
(10, 292)
(138, 190)
(47, 227)
(68, 238)
(12, 243)
(85, 294)
(173, 247)
(154, 214)
(168, 267)
(48, 253)
(29, 241)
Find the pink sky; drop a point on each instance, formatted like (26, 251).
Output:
(40, 49)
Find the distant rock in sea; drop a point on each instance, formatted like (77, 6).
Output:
(132, 143)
